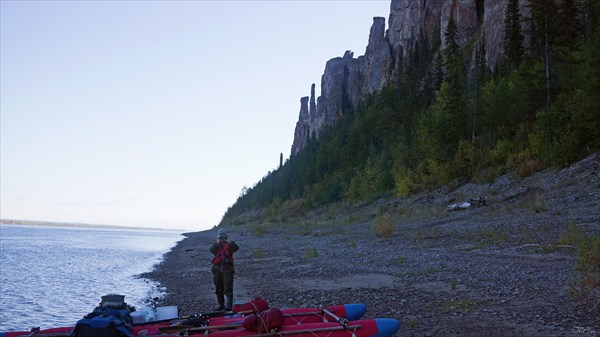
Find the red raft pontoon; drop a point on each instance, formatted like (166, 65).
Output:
(297, 322)
(293, 316)
(380, 327)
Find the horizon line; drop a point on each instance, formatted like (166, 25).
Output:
(22, 222)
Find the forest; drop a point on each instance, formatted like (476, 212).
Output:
(449, 118)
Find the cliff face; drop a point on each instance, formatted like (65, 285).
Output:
(346, 79)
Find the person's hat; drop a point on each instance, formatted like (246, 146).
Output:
(222, 233)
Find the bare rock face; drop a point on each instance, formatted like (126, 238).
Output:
(378, 58)
(313, 105)
(464, 14)
(302, 127)
(355, 82)
(333, 89)
(343, 84)
(408, 20)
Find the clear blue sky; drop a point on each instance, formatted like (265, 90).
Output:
(157, 113)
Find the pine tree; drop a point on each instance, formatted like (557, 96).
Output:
(452, 92)
(513, 37)
(477, 80)
(438, 71)
(544, 15)
(452, 49)
(570, 24)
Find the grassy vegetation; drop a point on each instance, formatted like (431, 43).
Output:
(305, 229)
(259, 229)
(412, 324)
(534, 202)
(494, 236)
(311, 253)
(572, 236)
(587, 287)
(258, 253)
(462, 305)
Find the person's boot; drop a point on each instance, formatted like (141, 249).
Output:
(221, 300)
(229, 303)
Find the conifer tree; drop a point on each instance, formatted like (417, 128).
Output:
(570, 24)
(452, 49)
(452, 92)
(542, 24)
(513, 37)
(438, 71)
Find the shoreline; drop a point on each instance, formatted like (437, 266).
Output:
(36, 223)
(494, 290)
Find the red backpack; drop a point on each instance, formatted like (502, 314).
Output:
(224, 254)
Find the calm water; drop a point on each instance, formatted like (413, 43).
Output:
(53, 276)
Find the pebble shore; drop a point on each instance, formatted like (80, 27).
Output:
(492, 271)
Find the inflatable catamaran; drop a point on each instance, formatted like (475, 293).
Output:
(114, 318)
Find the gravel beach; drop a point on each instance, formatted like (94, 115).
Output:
(499, 270)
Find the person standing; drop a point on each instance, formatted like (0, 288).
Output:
(223, 269)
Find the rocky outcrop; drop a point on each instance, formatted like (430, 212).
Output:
(464, 14)
(300, 134)
(346, 80)
(378, 58)
(409, 19)
(344, 83)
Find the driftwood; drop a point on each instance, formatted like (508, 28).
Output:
(472, 203)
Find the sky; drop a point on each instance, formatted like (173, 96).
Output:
(157, 113)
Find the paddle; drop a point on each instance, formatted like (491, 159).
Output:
(184, 328)
(206, 315)
(221, 313)
(204, 328)
(49, 334)
(297, 332)
(343, 321)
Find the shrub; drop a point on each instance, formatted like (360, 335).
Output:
(572, 236)
(404, 183)
(383, 226)
(258, 253)
(494, 236)
(534, 201)
(587, 287)
(305, 230)
(259, 230)
(311, 253)
(529, 166)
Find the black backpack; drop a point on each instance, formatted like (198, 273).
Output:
(110, 319)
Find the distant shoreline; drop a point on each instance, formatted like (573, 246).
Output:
(81, 225)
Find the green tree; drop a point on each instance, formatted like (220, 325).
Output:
(513, 36)
(451, 97)
(452, 53)
(544, 33)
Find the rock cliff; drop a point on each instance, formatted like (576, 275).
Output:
(346, 80)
